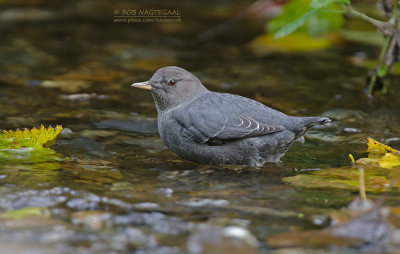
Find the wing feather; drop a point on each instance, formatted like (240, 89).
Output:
(219, 124)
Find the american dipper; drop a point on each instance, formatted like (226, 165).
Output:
(220, 128)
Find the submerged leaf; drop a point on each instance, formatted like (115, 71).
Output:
(342, 178)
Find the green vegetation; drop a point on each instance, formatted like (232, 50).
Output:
(318, 17)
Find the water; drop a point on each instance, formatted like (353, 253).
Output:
(111, 186)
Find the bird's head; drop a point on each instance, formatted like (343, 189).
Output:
(171, 86)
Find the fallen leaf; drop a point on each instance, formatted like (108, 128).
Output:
(376, 147)
(342, 178)
(380, 155)
(29, 138)
(389, 160)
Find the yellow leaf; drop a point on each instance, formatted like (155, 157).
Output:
(376, 147)
(380, 155)
(42, 137)
(31, 137)
(390, 160)
(18, 134)
(34, 134)
(26, 133)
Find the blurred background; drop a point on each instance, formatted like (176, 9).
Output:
(109, 185)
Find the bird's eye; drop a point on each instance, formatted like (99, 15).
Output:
(171, 82)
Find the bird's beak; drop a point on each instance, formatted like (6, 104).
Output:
(142, 85)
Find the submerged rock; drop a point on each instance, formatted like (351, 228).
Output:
(134, 236)
(95, 220)
(157, 221)
(160, 250)
(31, 198)
(199, 202)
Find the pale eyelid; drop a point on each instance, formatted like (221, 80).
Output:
(178, 79)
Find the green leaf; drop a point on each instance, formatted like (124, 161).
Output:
(298, 12)
(290, 12)
(291, 27)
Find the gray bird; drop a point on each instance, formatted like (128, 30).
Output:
(220, 128)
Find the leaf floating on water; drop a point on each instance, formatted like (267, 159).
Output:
(29, 138)
(380, 155)
(390, 160)
(376, 147)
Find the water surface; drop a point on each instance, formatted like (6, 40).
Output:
(109, 185)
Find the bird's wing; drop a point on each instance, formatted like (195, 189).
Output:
(220, 122)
